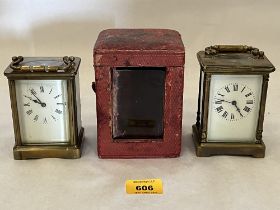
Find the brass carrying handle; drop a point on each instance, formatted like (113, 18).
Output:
(68, 61)
(214, 50)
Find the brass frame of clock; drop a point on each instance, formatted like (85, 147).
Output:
(68, 70)
(213, 62)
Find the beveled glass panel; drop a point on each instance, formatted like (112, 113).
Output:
(138, 102)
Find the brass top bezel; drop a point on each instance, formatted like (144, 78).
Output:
(234, 59)
(17, 71)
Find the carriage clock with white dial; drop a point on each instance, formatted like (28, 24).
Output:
(231, 101)
(45, 103)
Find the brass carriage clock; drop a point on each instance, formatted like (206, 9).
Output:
(45, 104)
(231, 102)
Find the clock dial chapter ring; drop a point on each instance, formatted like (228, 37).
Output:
(234, 101)
(50, 102)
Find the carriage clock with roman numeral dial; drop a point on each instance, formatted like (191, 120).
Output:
(45, 103)
(231, 101)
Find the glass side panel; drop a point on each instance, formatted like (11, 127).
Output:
(138, 102)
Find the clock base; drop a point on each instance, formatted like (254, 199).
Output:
(50, 151)
(211, 148)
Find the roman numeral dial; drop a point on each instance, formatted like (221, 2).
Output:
(234, 101)
(43, 110)
(44, 104)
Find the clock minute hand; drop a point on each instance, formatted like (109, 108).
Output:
(36, 97)
(40, 102)
(234, 103)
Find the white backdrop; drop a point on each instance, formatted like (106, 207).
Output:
(58, 28)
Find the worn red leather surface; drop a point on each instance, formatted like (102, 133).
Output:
(139, 47)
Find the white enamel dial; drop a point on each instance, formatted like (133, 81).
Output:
(43, 111)
(234, 102)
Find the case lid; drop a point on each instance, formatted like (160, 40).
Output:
(138, 47)
(43, 67)
(234, 58)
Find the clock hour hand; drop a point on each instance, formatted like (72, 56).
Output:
(34, 100)
(224, 101)
(234, 103)
(40, 102)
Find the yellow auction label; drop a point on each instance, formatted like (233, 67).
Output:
(145, 186)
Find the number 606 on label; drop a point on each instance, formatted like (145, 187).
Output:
(145, 186)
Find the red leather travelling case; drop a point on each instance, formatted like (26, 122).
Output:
(139, 78)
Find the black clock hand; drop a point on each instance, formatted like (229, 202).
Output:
(34, 100)
(234, 103)
(40, 102)
(225, 101)
(36, 97)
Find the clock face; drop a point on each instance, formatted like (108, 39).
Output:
(234, 101)
(233, 113)
(43, 110)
